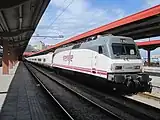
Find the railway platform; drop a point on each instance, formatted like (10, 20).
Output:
(154, 73)
(20, 99)
(155, 80)
(151, 69)
(5, 81)
(152, 98)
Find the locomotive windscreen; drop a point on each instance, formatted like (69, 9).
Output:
(121, 48)
(124, 49)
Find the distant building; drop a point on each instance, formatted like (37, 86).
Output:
(48, 46)
(155, 56)
(39, 46)
(30, 48)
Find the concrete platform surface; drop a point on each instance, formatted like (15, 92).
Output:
(151, 69)
(155, 91)
(25, 100)
(5, 81)
(155, 80)
(156, 83)
(145, 100)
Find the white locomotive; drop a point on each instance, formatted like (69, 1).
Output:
(112, 60)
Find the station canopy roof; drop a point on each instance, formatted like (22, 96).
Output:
(18, 21)
(143, 24)
(151, 45)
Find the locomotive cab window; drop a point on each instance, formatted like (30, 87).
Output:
(100, 49)
(123, 49)
(76, 46)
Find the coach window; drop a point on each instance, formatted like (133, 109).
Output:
(44, 60)
(100, 49)
(39, 59)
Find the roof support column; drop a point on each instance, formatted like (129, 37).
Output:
(14, 57)
(5, 62)
(149, 56)
(14, 60)
(11, 59)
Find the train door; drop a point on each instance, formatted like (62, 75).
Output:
(94, 62)
(95, 58)
(52, 60)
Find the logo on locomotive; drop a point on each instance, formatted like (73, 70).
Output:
(68, 57)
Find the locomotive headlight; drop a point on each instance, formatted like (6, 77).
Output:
(118, 67)
(136, 67)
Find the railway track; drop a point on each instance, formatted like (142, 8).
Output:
(92, 109)
(65, 115)
(121, 106)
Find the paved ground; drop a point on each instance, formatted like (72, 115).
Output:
(5, 81)
(151, 69)
(23, 100)
(148, 101)
(155, 80)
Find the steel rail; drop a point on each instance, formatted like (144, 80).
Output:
(32, 73)
(82, 96)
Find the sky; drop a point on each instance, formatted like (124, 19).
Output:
(73, 17)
